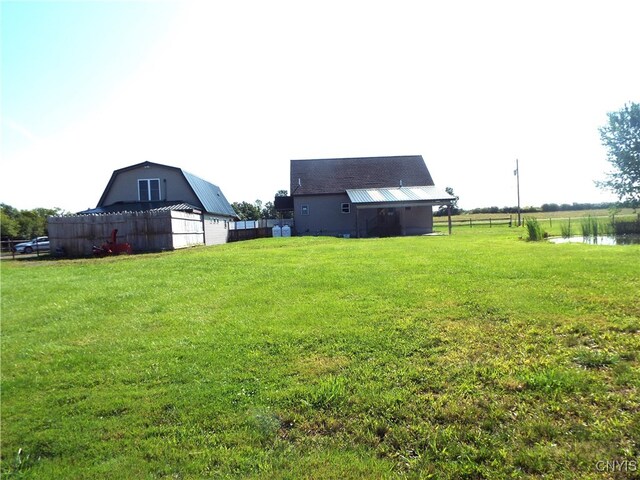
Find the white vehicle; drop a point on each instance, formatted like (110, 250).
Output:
(39, 244)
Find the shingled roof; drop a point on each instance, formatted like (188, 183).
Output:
(335, 175)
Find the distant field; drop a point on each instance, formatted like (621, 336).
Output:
(482, 219)
(472, 356)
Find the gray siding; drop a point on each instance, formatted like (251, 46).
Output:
(417, 220)
(173, 185)
(216, 230)
(326, 218)
(325, 215)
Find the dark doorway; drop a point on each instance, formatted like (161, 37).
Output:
(385, 224)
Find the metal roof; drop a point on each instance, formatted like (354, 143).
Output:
(421, 194)
(120, 207)
(212, 198)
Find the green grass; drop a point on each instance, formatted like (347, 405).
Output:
(472, 356)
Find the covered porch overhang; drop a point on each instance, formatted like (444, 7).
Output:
(400, 197)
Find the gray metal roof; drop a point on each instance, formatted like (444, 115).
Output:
(427, 193)
(212, 198)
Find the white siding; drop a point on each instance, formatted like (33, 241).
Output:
(216, 230)
(187, 230)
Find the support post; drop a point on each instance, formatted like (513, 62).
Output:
(517, 172)
(449, 217)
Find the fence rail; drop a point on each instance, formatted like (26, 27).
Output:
(470, 222)
(511, 220)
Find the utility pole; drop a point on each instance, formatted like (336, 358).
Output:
(516, 172)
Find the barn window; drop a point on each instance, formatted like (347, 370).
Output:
(346, 208)
(149, 189)
(304, 209)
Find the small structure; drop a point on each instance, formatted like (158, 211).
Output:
(154, 207)
(363, 197)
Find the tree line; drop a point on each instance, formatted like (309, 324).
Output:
(259, 210)
(25, 224)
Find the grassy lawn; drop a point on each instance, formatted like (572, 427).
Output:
(472, 356)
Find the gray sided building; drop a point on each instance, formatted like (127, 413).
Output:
(153, 207)
(151, 186)
(364, 197)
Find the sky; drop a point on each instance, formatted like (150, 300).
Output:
(231, 91)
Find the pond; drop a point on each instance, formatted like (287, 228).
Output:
(600, 240)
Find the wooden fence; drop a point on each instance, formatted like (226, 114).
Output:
(238, 235)
(481, 222)
(75, 235)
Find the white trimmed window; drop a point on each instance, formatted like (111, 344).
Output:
(346, 208)
(149, 189)
(304, 209)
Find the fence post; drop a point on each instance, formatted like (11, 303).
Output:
(470, 225)
(550, 222)
(510, 221)
(489, 222)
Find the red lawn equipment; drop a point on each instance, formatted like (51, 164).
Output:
(111, 247)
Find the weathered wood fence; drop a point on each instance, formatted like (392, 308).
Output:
(238, 235)
(480, 222)
(75, 235)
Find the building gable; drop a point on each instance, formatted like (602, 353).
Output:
(175, 185)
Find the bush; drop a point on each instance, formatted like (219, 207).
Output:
(627, 227)
(534, 230)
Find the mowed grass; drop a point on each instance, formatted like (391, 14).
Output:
(472, 356)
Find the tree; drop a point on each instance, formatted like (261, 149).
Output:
(246, 211)
(621, 137)
(25, 223)
(9, 225)
(454, 205)
(258, 210)
(268, 210)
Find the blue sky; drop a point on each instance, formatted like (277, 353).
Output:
(231, 91)
(59, 59)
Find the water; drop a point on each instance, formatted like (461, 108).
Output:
(600, 240)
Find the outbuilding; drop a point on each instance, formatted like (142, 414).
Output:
(364, 196)
(154, 207)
